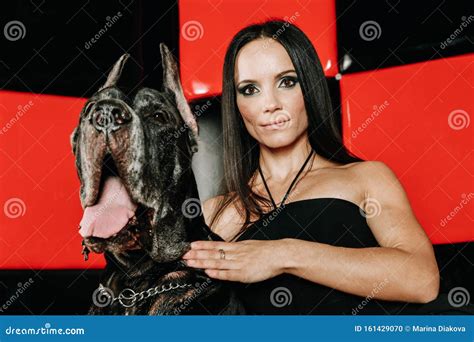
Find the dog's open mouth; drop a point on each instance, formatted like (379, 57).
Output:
(114, 222)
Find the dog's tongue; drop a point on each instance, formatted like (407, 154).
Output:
(111, 213)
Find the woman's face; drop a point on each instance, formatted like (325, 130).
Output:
(269, 95)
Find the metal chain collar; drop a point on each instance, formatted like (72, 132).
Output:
(129, 298)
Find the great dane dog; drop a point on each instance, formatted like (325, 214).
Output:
(138, 191)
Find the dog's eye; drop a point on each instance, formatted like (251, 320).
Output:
(160, 113)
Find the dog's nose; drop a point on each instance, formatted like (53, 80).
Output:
(109, 118)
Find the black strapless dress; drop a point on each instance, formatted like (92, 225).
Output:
(332, 221)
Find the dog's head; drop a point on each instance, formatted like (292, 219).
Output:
(148, 143)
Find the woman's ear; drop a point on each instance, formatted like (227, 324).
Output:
(172, 82)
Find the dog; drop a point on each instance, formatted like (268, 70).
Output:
(144, 147)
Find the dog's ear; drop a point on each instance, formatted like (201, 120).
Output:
(72, 139)
(172, 82)
(115, 73)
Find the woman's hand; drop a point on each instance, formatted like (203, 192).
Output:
(246, 261)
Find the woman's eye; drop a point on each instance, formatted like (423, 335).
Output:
(248, 90)
(288, 82)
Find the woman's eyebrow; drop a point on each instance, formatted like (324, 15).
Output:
(276, 76)
(284, 72)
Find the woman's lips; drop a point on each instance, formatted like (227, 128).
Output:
(276, 125)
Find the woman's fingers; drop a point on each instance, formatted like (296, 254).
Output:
(206, 254)
(226, 246)
(210, 250)
(231, 275)
(213, 263)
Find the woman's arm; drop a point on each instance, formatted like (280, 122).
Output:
(403, 268)
(379, 272)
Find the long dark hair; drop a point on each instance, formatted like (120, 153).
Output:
(241, 152)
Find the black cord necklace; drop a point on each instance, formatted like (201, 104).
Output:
(291, 185)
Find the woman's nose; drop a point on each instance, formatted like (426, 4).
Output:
(271, 103)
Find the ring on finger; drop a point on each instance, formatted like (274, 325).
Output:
(222, 254)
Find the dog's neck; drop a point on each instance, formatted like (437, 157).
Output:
(186, 191)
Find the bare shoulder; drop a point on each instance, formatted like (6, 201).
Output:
(372, 171)
(380, 182)
(367, 173)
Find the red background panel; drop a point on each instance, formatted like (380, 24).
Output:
(39, 187)
(207, 27)
(409, 130)
(416, 118)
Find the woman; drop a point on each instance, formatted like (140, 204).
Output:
(308, 227)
